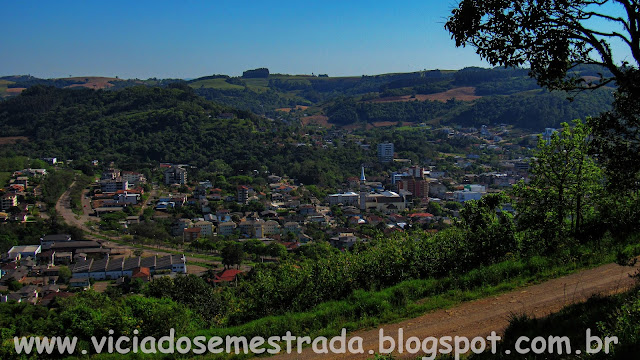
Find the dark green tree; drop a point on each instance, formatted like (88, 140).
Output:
(232, 254)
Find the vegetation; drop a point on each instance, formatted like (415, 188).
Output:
(556, 40)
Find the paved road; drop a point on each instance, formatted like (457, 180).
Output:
(480, 317)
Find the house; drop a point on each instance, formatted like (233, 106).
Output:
(51, 288)
(50, 297)
(142, 273)
(227, 276)
(344, 240)
(11, 297)
(29, 292)
(307, 209)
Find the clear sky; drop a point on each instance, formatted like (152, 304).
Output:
(187, 39)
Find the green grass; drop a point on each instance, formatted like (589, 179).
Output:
(215, 84)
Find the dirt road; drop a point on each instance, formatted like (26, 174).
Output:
(480, 317)
(63, 208)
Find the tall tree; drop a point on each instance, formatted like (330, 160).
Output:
(565, 184)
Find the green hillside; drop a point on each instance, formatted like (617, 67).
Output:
(471, 96)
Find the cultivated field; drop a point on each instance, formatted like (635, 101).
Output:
(9, 140)
(92, 82)
(461, 93)
(320, 120)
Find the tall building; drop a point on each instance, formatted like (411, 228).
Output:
(547, 134)
(243, 194)
(385, 152)
(418, 187)
(175, 175)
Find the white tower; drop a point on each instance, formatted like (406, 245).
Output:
(363, 191)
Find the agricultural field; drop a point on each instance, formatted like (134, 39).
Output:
(92, 82)
(3, 87)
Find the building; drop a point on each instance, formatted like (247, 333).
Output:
(385, 152)
(271, 227)
(18, 252)
(8, 201)
(226, 228)
(113, 268)
(349, 198)
(113, 185)
(175, 175)
(133, 177)
(547, 134)
(49, 240)
(462, 196)
(418, 187)
(206, 228)
(126, 198)
(344, 240)
(191, 234)
(22, 180)
(50, 160)
(386, 201)
(110, 174)
(252, 228)
(179, 226)
(243, 194)
(292, 227)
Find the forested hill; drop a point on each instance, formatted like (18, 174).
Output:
(134, 124)
(142, 126)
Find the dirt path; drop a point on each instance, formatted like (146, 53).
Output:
(480, 317)
(63, 208)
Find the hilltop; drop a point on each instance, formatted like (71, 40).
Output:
(471, 96)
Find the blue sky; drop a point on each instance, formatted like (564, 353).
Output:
(185, 39)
